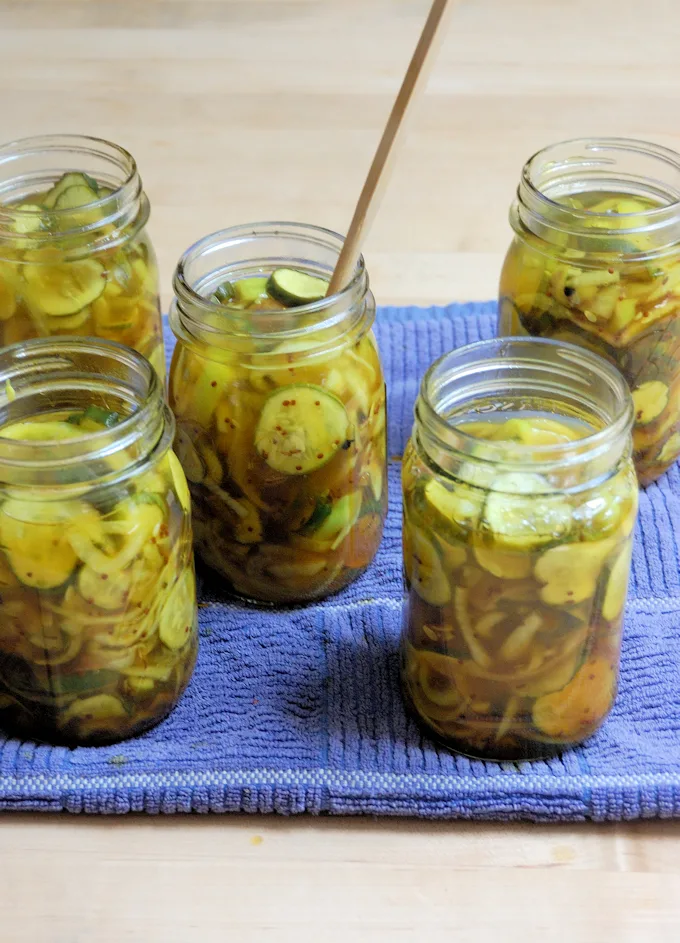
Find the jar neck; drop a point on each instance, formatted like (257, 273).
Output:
(514, 375)
(48, 376)
(31, 166)
(257, 249)
(600, 165)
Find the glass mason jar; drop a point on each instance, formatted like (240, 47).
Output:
(596, 261)
(74, 254)
(97, 591)
(280, 414)
(520, 499)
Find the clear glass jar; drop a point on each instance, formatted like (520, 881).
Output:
(596, 261)
(520, 499)
(280, 416)
(74, 254)
(97, 591)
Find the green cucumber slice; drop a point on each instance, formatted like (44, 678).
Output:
(300, 429)
(293, 288)
(67, 288)
(65, 183)
(74, 197)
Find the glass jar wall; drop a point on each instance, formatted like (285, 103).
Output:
(97, 590)
(280, 404)
(596, 261)
(74, 254)
(519, 505)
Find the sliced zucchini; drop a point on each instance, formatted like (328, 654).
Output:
(64, 289)
(95, 418)
(570, 572)
(178, 616)
(136, 520)
(670, 450)
(179, 481)
(503, 563)
(437, 678)
(224, 294)
(424, 568)
(460, 506)
(35, 534)
(650, 399)
(341, 520)
(300, 429)
(518, 518)
(248, 290)
(29, 219)
(617, 585)
(78, 198)
(584, 701)
(98, 589)
(93, 713)
(199, 392)
(320, 513)
(53, 430)
(292, 288)
(65, 183)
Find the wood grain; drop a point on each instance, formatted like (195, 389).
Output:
(240, 110)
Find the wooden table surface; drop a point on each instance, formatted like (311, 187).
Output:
(241, 110)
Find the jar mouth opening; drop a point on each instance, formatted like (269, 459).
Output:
(193, 290)
(589, 165)
(33, 165)
(523, 370)
(46, 376)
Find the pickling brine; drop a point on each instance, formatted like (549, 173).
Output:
(280, 405)
(596, 261)
(518, 523)
(98, 597)
(74, 254)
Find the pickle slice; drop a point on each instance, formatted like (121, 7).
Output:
(300, 429)
(179, 481)
(176, 620)
(293, 288)
(51, 431)
(98, 589)
(583, 702)
(503, 564)
(65, 183)
(570, 571)
(35, 538)
(617, 586)
(93, 713)
(426, 572)
(30, 219)
(520, 515)
(650, 399)
(64, 289)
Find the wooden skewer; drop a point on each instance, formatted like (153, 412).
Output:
(369, 199)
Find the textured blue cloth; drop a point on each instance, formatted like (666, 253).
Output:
(300, 710)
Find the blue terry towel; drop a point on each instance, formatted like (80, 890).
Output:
(300, 710)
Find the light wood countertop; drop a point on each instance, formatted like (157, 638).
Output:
(242, 110)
